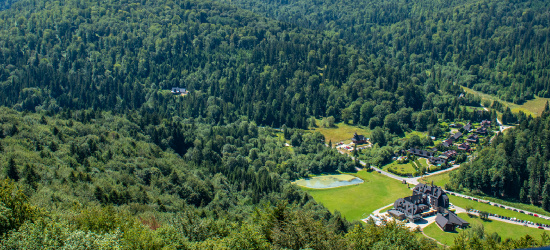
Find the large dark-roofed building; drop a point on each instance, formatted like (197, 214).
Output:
(423, 199)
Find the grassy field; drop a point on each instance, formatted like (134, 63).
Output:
(505, 230)
(439, 179)
(342, 132)
(400, 169)
(435, 232)
(358, 201)
(461, 202)
(532, 107)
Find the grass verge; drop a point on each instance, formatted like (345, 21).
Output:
(462, 202)
(439, 179)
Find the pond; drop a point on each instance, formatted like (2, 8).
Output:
(328, 181)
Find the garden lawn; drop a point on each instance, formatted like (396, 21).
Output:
(463, 203)
(401, 169)
(439, 179)
(435, 232)
(342, 132)
(359, 201)
(505, 230)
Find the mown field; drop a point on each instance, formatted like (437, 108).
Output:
(358, 201)
(532, 107)
(505, 230)
(341, 132)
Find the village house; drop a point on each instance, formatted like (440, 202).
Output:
(473, 138)
(467, 128)
(450, 153)
(449, 221)
(486, 123)
(358, 139)
(481, 131)
(464, 146)
(421, 153)
(447, 143)
(456, 136)
(440, 160)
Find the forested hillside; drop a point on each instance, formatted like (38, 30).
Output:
(97, 152)
(498, 47)
(126, 56)
(93, 178)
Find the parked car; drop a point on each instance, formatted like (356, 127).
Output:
(521, 212)
(536, 215)
(541, 227)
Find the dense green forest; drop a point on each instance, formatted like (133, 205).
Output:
(125, 56)
(498, 47)
(95, 179)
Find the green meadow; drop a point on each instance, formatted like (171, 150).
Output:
(358, 201)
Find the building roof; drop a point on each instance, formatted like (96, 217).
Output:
(177, 90)
(481, 130)
(450, 153)
(468, 127)
(357, 137)
(447, 143)
(441, 220)
(454, 219)
(457, 135)
(420, 152)
(396, 213)
(464, 146)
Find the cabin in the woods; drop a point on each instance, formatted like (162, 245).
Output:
(358, 139)
(179, 91)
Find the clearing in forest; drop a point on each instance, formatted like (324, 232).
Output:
(532, 107)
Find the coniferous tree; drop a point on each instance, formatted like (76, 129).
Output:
(30, 175)
(11, 170)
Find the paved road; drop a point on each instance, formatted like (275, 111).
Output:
(413, 180)
(500, 205)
